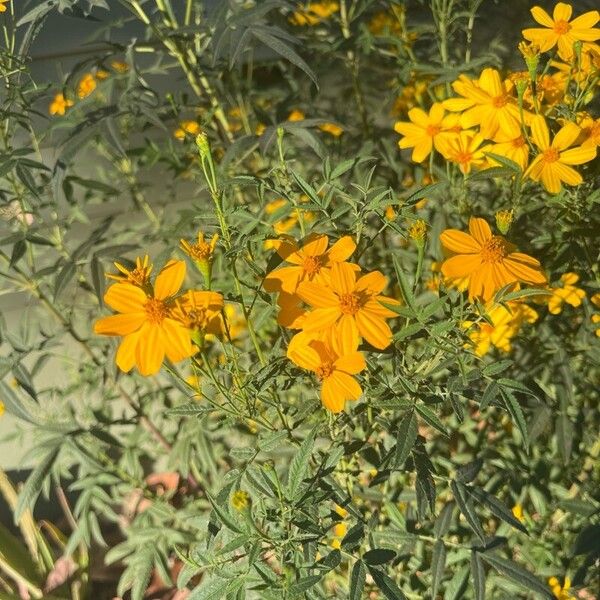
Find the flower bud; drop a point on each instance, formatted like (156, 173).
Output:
(418, 232)
(504, 219)
(203, 144)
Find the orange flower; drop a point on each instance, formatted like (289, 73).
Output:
(353, 307)
(465, 150)
(185, 129)
(138, 276)
(488, 261)
(200, 312)
(334, 370)
(59, 105)
(146, 322)
(86, 85)
(561, 31)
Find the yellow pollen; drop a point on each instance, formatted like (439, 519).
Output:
(432, 130)
(500, 101)
(494, 250)
(200, 251)
(312, 265)
(156, 311)
(324, 370)
(561, 27)
(551, 155)
(349, 304)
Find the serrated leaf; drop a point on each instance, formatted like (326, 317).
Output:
(299, 466)
(444, 520)
(496, 507)
(63, 277)
(221, 512)
(438, 564)
(300, 586)
(33, 486)
(431, 418)
(518, 574)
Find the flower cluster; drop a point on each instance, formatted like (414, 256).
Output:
(155, 318)
(333, 306)
(513, 116)
(313, 13)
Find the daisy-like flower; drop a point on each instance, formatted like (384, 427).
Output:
(185, 129)
(590, 131)
(488, 261)
(426, 131)
(552, 165)
(334, 370)
(146, 323)
(568, 293)
(515, 149)
(502, 325)
(138, 276)
(561, 591)
(59, 105)
(465, 150)
(296, 115)
(308, 262)
(87, 84)
(488, 103)
(349, 304)
(200, 312)
(560, 30)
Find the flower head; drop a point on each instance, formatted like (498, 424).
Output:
(240, 500)
(138, 276)
(552, 165)
(186, 128)
(331, 129)
(201, 252)
(3, 6)
(146, 323)
(465, 150)
(568, 293)
(418, 232)
(314, 12)
(561, 30)
(487, 261)
(334, 369)
(561, 591)
(87, 84)
(59, 105)
(504, 219)
(200, 312)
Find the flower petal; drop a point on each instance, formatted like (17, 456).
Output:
(342, 249)
(459, 242)
(317, 295)
(578, 156)
(374, 329)
(480, 229)
(331, 396)
(586, 20)
(490, 82)
(320, 319)
(562, 12)
(566, 136)
(315, 246)
(351, 363)
(125, 357)
(539, 132)
(178, 343)
(125, 298)
(343, 278)
(542, 17)
(122, 324)
(346, 336)
(150, 350)
(523, 270)
(169, 279)
(373, 282)
(302, 354)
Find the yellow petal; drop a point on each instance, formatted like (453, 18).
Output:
(562, 12)
(150, 350)
(351, 363)
(373, 282)
(542, 17)
(490, 82)
(302, 354)
(480, 230)
(122, 324)
(178, 343)
(317, 295)
(315, 246)
(578, 156)
(374, 329)
(169, 279)
(586, 20)
(459, 242)
(461, 265)
(419, 117)
(346, 335)
(343, 278)
(331, 396)
(342, 249)
(125, 298)
(321, 319)
(539, 132)
(566, 136)
(125, 357)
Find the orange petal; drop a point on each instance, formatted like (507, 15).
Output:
(343, 278)
(373, 282)
(316, 245)
(459, 242)
(480, 229)
(346, 337)
(125, 357)
(351, 363)
(285, 279)
(150, 350)
(331, 396)
(566, 136)
(125, 298)
(178, 343)
(374, 329)
(321, 319)
(542, 17)
(302, 354)
(122, 324)
(317, 295)
(524, 272)
(346, 385)
(342, 249)
(539, 132)
(461, 265)
(169, 279)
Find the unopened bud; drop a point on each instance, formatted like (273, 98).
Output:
(418, 232)
(504, 219)
(203, 144)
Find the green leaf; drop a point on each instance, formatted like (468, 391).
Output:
(405, 288)
(213, 588)
(478, 575)
(303, 584)
(358, 578)
(225, 518)
(444, 520)
(466, 508)
(507, 162)
(496, 507)
(406, 438)
(564, 436)
(431, 418)
(299, 466)
(14, 553)
(378, 556)
(456, 587)
(33, 486)
(386, 584)
(518, 574)
(490, 393)
(438, 563)
(496, 367)
(516, 413)
(307, 189)
(63, 277)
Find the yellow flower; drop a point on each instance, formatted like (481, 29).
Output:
(289, 222)
(334, 370)
(200, 312)
(560, 30)
(2, 407)
(341, 511)
(260, 129)
(488, 103)
(568, 294)
(336, 544)
(3, 7)
(296, 115)
(515, 149)
(412, 94)
(59, 105)
(332, 129)
(86, 85)
(595, 299)
(418, 231)
(561, 592)
(119, 66)
(101, 74)
(339, 530)
(464, 150)
(552, 165)
(349, 306)
(425, 131)
(314, 12)
(146, 323)
(138, 276)
(201, 253)
(488, 261)
(384, 23)
(186, 128)
(502, 324)
(590, 131)
(517, 511)
(240, 500)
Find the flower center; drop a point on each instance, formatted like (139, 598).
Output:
(518, 142)
(463, 157)
(312, 265)
(349, 304)
(494, 250)
(500, 101)
(432, 130)
(486, 328)
(324, 370)
(595, 133)
(200, 251)
(156, 311)
(551, 155)
(561, 27)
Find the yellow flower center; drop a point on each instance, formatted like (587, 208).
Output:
(500, 101)
(349, 304)
(432, 130)
(551, 155)
(138, 276)
(312, 265)
(518, 142)
(494, 250)
(463, 157)
(562, 27)
(156, 311)
(200, 251)
(324, 370)
(595, 133)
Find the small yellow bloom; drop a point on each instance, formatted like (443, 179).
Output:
(552, 165)
(515, 149)
(87, 84)
(101, 74)
(561, 592)
(201, 252)
(567, 294)
(342, 512)
(314, 13)
(240, 500)
(418, 231)
(2, 407)
(296, 115)
(119, 66)
(339, 530)
(561, 30)
(186, 128)
(595, 299)
(138, 276)
(465, 150)
(260, 129)
(59, 105)
(517, 511)
(390, 212)
(332, 129)
(590, 132)
(504, 219)
(336, 544)
(3, 7)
